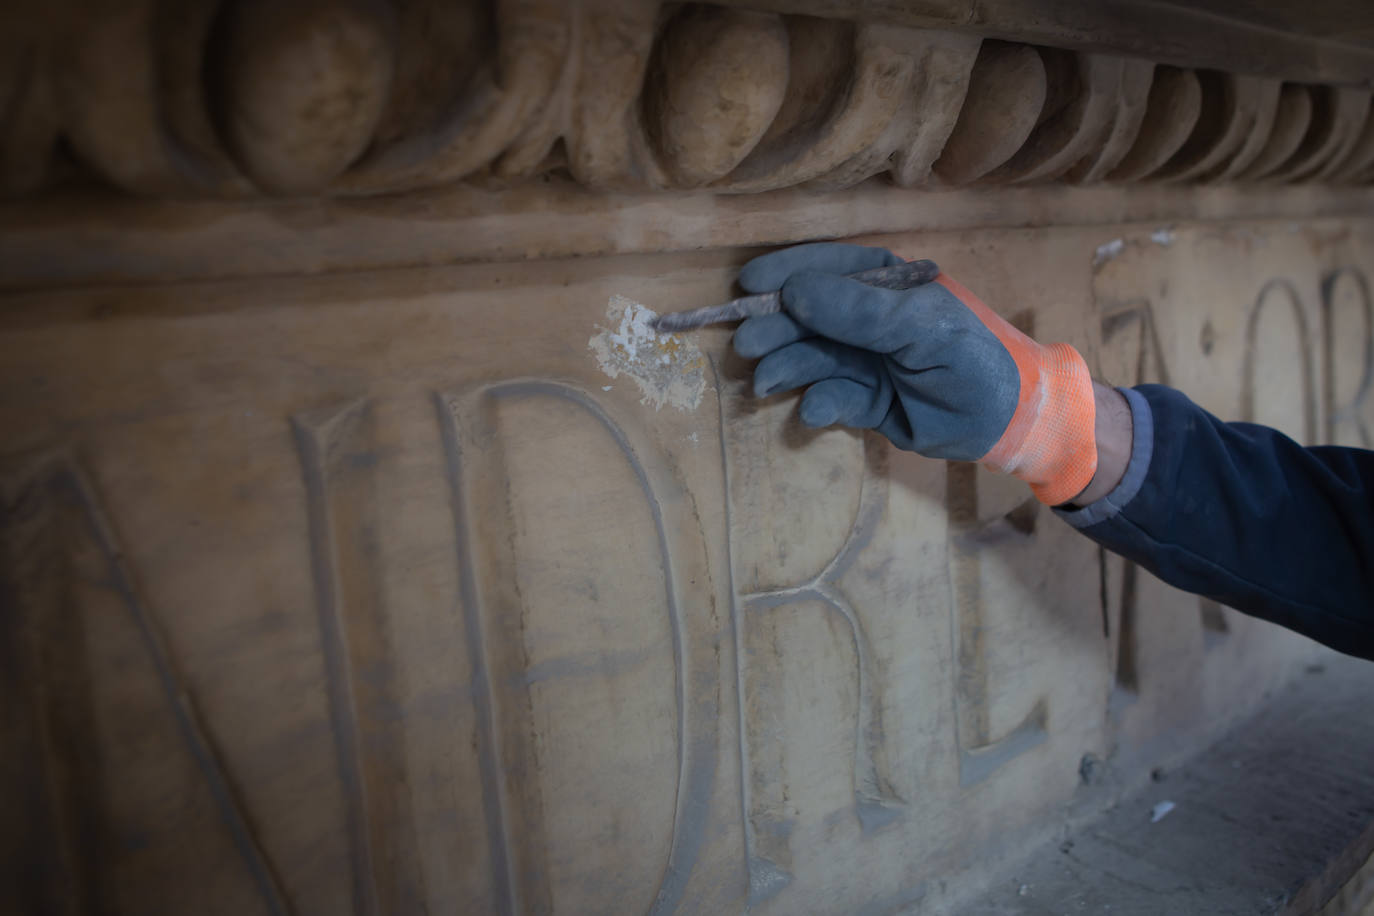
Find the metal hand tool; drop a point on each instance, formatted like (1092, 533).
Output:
(901, 276)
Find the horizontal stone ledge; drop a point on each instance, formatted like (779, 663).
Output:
(83, 239)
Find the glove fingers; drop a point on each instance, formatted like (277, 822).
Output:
(759, 336)
(811, 360)
(770, 271)
(882, 320)
(845, 401)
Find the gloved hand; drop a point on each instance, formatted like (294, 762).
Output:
(932, 368)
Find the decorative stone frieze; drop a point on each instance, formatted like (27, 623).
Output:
(363, 97)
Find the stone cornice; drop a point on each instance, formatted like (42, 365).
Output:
(203, 98)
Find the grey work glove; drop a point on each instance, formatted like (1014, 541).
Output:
(931, 368)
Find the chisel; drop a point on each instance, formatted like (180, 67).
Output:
(901, 276)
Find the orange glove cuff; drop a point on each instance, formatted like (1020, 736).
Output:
(1051, 441)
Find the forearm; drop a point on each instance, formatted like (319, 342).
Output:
(1244, 515)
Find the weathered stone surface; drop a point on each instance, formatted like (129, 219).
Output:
(367, 551)
(718, 82)
(1005, 96)
(115, 239)
(302, 87)
(372, 592)
(1171, 115)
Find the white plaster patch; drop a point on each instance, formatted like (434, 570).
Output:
(1108, 250)
(667, 368)
(1163, 236)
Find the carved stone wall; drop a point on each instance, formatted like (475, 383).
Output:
(360, 97)
(424, 590)
(363, 551)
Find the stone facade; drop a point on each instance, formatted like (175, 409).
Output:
(362, 552)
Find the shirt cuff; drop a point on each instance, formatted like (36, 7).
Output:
(1142, 449)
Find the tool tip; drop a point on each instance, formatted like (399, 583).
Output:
(664, 324)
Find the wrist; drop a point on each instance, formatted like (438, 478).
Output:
(1050, 442)
(1114, 434)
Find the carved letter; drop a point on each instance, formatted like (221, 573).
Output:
(527, 595)
(63, 574)
(1346, 302)
(335, 449)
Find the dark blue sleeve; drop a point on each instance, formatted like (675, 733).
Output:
(1244, 515)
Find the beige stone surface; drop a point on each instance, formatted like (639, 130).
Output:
(374, 592)
(363, 549)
